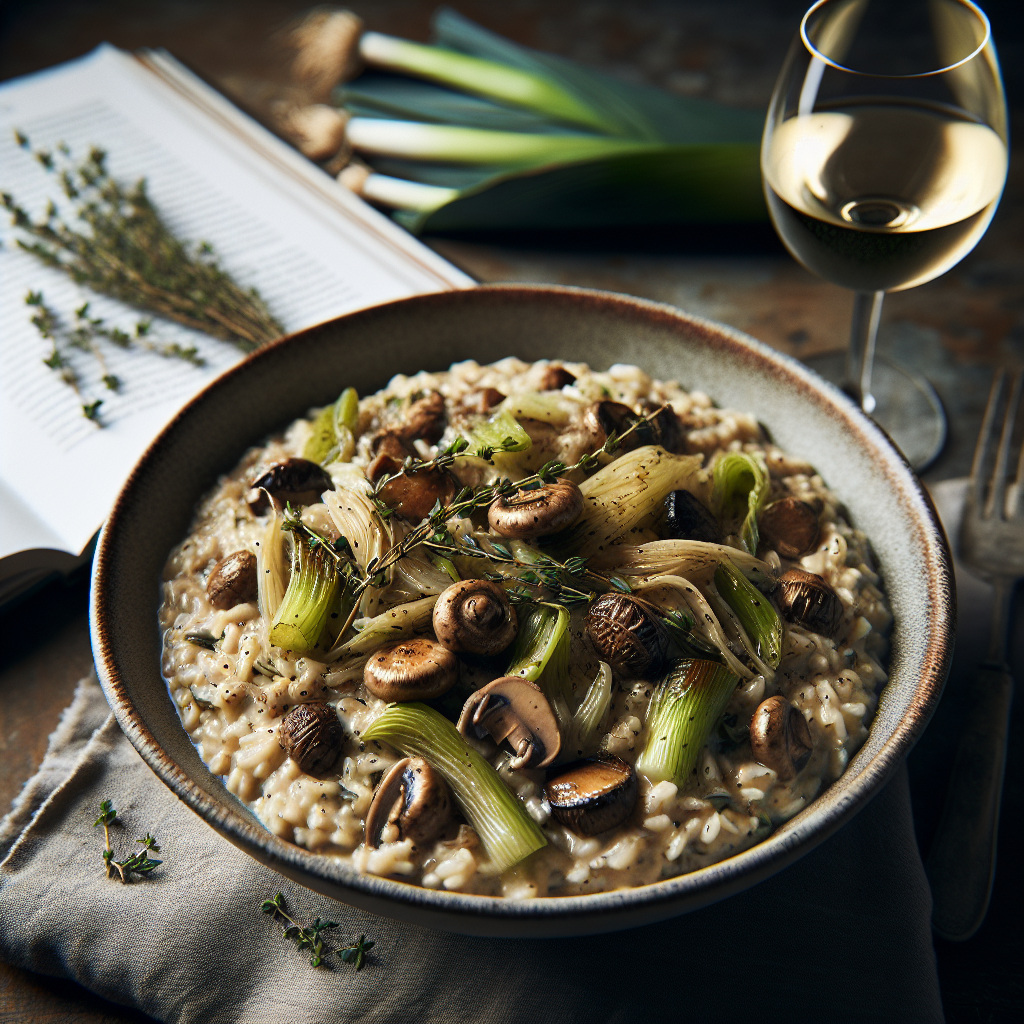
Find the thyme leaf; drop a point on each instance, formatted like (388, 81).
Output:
(139, 863)
(310, 938)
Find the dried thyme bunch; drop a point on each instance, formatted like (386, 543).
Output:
(121, 247)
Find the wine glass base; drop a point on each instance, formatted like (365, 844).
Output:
(906, 405)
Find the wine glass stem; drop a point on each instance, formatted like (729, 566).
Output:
(867, 311)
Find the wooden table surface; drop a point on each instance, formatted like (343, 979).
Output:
(956, 330)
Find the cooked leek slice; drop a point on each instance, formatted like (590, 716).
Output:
(623, 495)
(586, 722)
(332, 438)
(697, 560)
(756, 613)
(369, 537)
(682, 712)
(311, 592)
(271, 568)
(741, 488)
(501, 433)
(398, 623)
(543, 636)
(507, 832)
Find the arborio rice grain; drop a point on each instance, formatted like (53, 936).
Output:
(232, 698)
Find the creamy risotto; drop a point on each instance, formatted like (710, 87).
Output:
(524, 630)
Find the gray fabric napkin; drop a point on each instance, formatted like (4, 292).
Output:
(843, 934)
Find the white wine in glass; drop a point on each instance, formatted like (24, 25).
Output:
(884, 157)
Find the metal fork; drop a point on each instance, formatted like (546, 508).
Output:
(962, 860)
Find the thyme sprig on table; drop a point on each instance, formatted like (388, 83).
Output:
(310, 938)
(118, 244)
(139, 863)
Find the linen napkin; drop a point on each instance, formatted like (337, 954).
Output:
(843, 934)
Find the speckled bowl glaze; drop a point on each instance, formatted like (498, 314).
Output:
(804, 415)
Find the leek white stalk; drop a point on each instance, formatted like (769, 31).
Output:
(669, 593)
(367, 534)
(695, 559)
(479, 77)
(271, 568)
(332, 437)
(623, 495)
(396, 193)
(682, 712)
(583, 731)
(507, 832)
(415, 140)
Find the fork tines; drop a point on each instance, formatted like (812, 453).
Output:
(990, 494)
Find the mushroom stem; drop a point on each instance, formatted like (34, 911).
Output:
(507, 832)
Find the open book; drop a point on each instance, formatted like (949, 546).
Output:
(275, 222)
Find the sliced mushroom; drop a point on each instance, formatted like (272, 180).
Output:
(411, 802)
(390, 450)
(482, 402)
(515, 710)
(790, 526)
(779, 738)
(412, 494)
(425, 418)
(688, 518)
(593, 795)
(475, 617)
(627, 633)
(295, 481)
(807, 600)
(417, 669)
(665, 429)
(232, 580)
(555, 378)
(312, 736)
(537, 513)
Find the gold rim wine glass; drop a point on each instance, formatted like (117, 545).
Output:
(883, 159)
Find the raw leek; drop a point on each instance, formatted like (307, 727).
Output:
(332, 438)
(741, 489)
(682, 712)
(312, 589)
(507, 832)
(756, 613)
(480, 77)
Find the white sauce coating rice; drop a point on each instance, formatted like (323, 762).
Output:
(247, 687)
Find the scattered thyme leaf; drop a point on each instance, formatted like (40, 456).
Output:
(309, 939)
(139, 863)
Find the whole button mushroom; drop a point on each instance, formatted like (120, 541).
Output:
(417, 669)
(232, 580)
(807, 600)
(411, 802)
(514, 710)
(294, 481)
(475, 617)
(688, 518)
(312, 737)
(790, 526)
(779, 738)
(626, 633)
(593, 795)
(538, 512)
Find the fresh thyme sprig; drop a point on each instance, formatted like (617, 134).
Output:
(139, 863)
(309, 938)
(84, 336)
(118, 245)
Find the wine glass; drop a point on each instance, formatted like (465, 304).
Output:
(883, 158)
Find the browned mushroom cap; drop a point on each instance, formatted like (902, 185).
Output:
(417, 669)
(592, 795)
(232, 580)
(665, 429)
(475, 617)
(413, 800)
(391, 450)
(790, 526)
(807, 600)
(515, 710)
(555, 378)
(312, 737)
(537, 513)
(484, 401)
(425, 418)
(779, 738)
(688, 518)
(296, 481)
(627, 633)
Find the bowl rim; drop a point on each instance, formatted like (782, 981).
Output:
(596, 912)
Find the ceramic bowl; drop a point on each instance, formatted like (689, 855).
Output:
(803, 414)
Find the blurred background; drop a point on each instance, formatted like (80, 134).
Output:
(956, 330)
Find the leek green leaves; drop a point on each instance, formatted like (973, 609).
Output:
(741, 489)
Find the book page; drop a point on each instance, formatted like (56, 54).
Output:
(310, 258)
